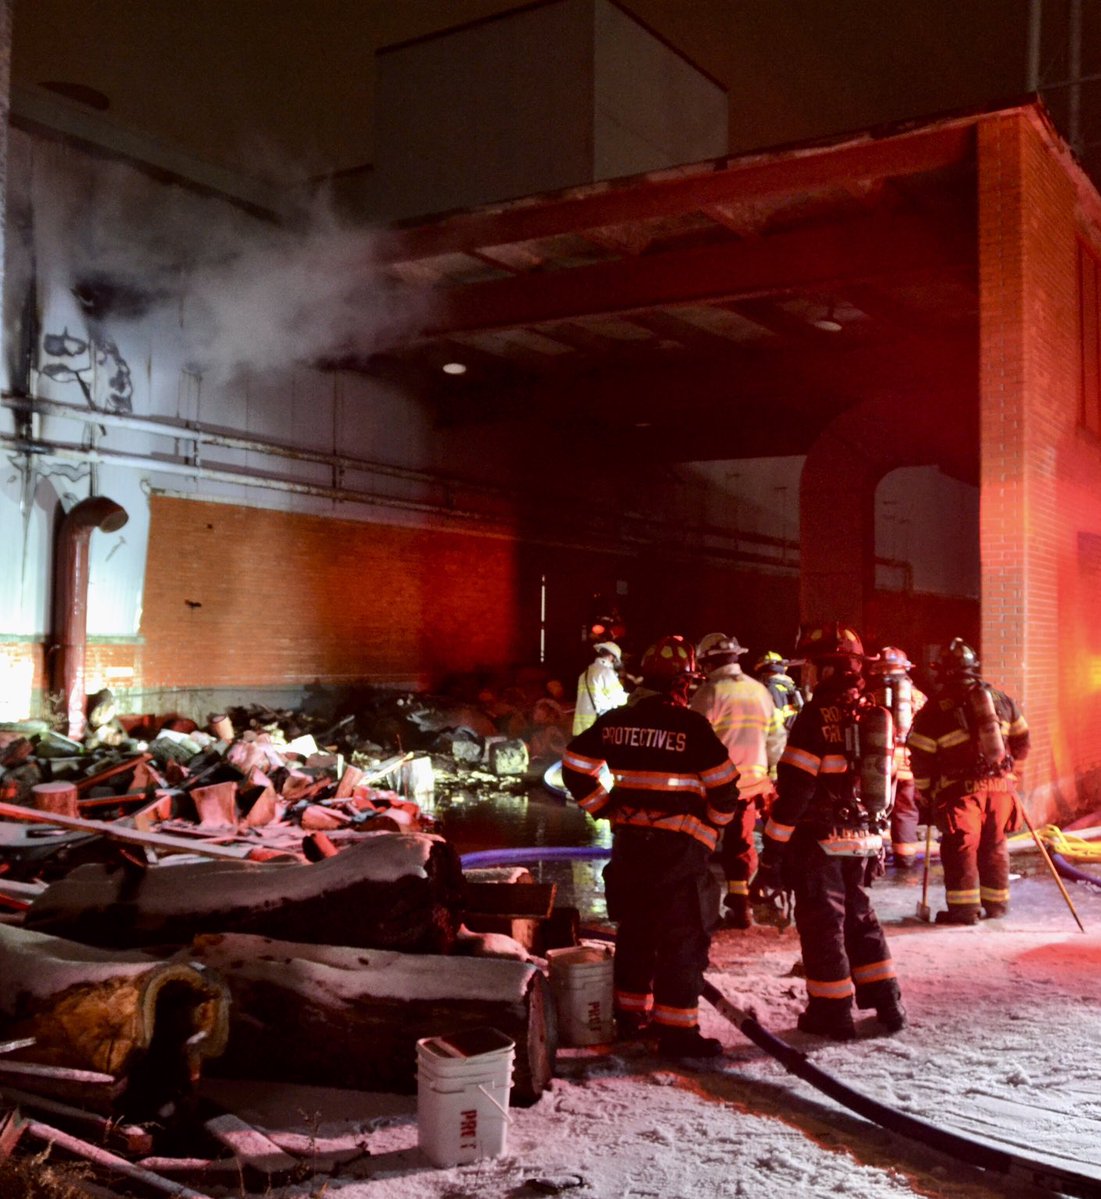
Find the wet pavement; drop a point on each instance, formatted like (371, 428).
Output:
(487, 813)
(482, 816)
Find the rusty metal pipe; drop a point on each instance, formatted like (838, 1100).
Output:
(71, 600)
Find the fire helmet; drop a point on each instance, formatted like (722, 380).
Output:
(608, 648)
(669, 658)
(772, 662)
(890, 660)
(833, 640)
(718, 645)
(958, 658)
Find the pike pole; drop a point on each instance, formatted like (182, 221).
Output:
(1050, 865)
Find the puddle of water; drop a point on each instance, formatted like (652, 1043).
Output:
(475, 816)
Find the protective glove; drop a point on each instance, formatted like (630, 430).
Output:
(769, 892)
(770, 874)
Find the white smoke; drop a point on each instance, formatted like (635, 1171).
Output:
(237, 292)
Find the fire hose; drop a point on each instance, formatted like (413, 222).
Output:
(969, 1149)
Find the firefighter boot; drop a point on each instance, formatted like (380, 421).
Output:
(958, 916)
(889, 1010)
(677, 1043)
(631, 1026)
(737, 912)
(832, 1018)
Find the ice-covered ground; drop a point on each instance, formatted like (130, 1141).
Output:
(1005, 1027)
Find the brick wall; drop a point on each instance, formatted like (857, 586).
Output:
(1041, 472)
(244, 597)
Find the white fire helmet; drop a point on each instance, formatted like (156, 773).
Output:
(716, 644)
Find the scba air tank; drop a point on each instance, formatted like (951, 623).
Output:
(900, 700)
(986, 724)
(876, 735)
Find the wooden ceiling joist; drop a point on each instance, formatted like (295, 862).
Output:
(783, 173)
(881, 245)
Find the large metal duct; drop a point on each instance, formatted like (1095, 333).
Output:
(71, 600)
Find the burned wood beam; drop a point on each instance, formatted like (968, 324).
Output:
(793, 172)
(398, 890)
(255, 1151)
(767, 315)
(127, 1138)
(90, 1088)
(352, 1018)
(671, 326)
(119, 832)
(109, 772)
(815, 257)
(109, 1162)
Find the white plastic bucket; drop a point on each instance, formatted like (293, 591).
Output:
(581, 982)
(463, 1084)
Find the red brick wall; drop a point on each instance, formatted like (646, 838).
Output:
(109, 662)
(1041, 472)
(250, 597)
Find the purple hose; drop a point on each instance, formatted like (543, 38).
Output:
(1074, 873)
(537, 853)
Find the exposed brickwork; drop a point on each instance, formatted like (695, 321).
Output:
(108, 662)
(1039, 467)
(250, 597)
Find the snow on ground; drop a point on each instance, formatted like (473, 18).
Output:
(1005, 1021)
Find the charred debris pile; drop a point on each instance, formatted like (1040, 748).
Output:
(265, 897)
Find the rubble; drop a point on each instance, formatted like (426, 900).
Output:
(269, 846)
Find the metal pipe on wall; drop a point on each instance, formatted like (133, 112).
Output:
(1035, 38)
(71, 600)
(633, 531)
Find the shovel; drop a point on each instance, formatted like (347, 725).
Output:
(923, 904)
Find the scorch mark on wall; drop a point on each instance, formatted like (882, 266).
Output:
(83, 362)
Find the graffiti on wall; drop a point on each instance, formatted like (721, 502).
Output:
(94, 364)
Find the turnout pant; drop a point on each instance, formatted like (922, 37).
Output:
(661, 892)
(845, 952)
(904, 821)
(738, 853)
(973, 850)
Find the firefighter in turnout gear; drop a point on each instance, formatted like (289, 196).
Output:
(748, 723)
(964, 745)
(771, 670)
(657, 771)
(598, 687)
(892, 687)
(824, 839)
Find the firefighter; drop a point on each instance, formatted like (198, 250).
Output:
(893, 688)
(598, 686)
(771, 670)
(964, 745)
(748, 723)
(824, 840)
(657, 771)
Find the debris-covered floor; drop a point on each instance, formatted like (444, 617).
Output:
(1004, 1018)
(282, 895)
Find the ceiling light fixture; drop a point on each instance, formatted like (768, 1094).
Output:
(828, 323)
(454, 368)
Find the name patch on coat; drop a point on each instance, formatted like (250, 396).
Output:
(646, 738)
